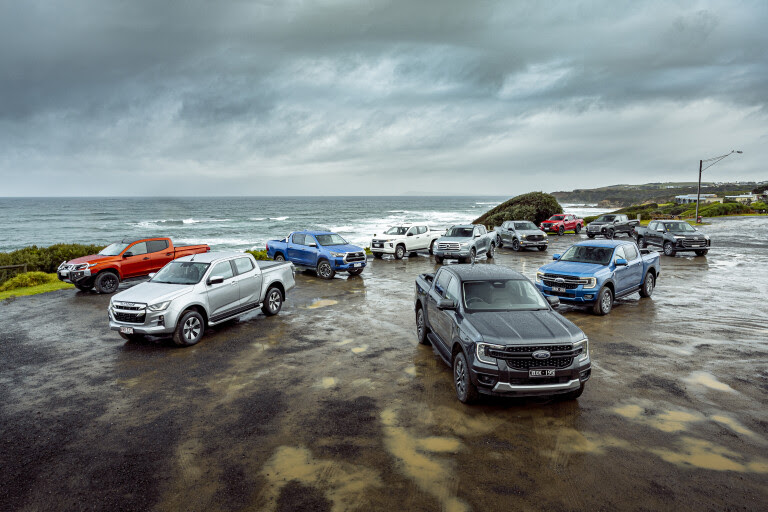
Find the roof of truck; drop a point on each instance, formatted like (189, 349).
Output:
(468, 272)
(307, 232)
(210, 257)
(604, 243)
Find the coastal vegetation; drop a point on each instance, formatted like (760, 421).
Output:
(534, 206)
(259, 255)
(47, 259)
(654, 211)
(31, 283)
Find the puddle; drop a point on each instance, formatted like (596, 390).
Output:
(359, 350)
(411, 370)
(733, 425)
(708, 380)
(322, 303)
(698, 453)
(344, 342)
(328, 382)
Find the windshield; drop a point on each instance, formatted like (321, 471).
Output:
(397, 230)
(333, 239)
(502, 295)
(459, 232)
(113, 249)
(525, 226)
(181, 272)
(606, 218)
(588, 254)
(680, 227)
(557, 217)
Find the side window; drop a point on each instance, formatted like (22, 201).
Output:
(157, 245)
(442, 283)
(452, 291)
(412, 231)
(507, 225)
(223, 269)
(243, 265)
(298, 238)
(652, 226)
(139, 248)
(475, 231)
(422, 230)
(619, 253)
(631, 252)
(309, 240)
(482, 230)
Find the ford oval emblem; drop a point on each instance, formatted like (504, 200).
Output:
(541, 354)
(559, 280)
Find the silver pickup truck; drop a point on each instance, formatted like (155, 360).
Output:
(464, 243)
(194, 291)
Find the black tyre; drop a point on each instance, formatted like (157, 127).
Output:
(325, 270)
(577, 229)
(499, 242)
(399, 252)
(669, 249)
(355, 271)
(83, 287)
(378, 255)
(561, 230)
(604, 302)
(573, 395)
(190, 329)
(132, 337)
(491, 251)
(472, 255)
(273, 303)
(279, 257)
(702, 252)
(542, 248)
(609, 234)
(432, 247)
(515, 244)
(647, 289)
(107, 282)
(466, 392)
(590, 235)
(438, 259)
(421, 327)
(642, 243)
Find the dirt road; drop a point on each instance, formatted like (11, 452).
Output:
(332, 405)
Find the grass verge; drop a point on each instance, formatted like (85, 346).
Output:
(34, 290)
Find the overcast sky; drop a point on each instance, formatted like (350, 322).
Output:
(218, 97)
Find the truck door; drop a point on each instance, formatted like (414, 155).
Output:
(437, 317)
(295, 248)
(652, 234)
(412, 239)
(159, 254)
(421, 234)
(621, 273)
(311, 251)
(634, 266)
(225, 296)
(249, 281)
(138, 262)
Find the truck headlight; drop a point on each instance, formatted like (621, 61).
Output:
(584, 346)
(589, 283)
(92, 265)
(481, 352)
(523, 236)
(539, 275)
(160, 306)
(679, 238)
(545, 235)
(337, 254)
(463, 244)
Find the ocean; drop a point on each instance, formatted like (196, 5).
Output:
(237, 223)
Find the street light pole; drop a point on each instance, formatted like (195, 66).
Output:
(702, 168)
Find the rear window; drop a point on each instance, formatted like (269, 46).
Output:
(156, 245)
(243, 265)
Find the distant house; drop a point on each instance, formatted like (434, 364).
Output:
(744, 198)
(691, 198)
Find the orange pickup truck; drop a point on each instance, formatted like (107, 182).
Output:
(127, 259)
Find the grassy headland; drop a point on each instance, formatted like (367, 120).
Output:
(31, 283)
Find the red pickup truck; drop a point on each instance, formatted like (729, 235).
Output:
(561, 223)
(129, 258)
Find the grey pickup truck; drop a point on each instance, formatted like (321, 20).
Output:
(193, 292)
(464, 243)
(610, 225)
(499, 334)
(519, 234)
(673, 236)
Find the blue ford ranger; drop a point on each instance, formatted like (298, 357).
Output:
(595, 273)
(323, 251)
(499, 334)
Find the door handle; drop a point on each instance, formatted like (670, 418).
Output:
(146, 257)
(169, 254)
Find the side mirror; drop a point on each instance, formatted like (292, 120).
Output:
(215, 280)
(621, 262)
(409, 234)
(477, 235)
(152, 274)
(660, 230)
(312, 244)
(443, 304)
(555, 257)
(553, 301)
(127, 254)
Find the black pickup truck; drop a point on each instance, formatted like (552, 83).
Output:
(610, 225)
(673, 236)
(499, 334)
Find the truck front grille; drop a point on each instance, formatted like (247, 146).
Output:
(568, 282)
(521, 358)
(534, 238)
(355, 256)
(524, 364)
(130, 318)
(689, 242)
(449, 246)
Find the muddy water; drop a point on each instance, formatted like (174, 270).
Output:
(332, 405)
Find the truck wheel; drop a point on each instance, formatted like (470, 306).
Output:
(432, 247)
(190, 329)
(499, 242)
(439, 259)
(83, 288)
(421, 327)
(604, 302)
(279, 257)
(573, 395)
(132, 337)
(590, 235)
(399, 252)
(472, 256)
(647, 289)
(609, 234)
(561, 230)
(491, 251)
(355, 271)
(669, 249)
(515, 245)
(378, 255)
(107, 282)
(577, 229)
(642, 243)
(542, 247)
(466, 392)
(324, 270)
(702, 252)
(273, 303)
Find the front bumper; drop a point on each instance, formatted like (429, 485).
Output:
(339, 265)
(550, 228)
(502, 380)
(533, 243)
(578, 295)
(461, 253)
(79, 277)
(688, 245)
(383, 247)
(143, 321)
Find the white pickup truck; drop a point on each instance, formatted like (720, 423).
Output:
(404, 239)
(201, 290)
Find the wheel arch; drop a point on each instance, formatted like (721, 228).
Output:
(277, 284)
(194, 307)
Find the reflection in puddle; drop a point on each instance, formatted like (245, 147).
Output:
(708, 380)
(321, 303)
(702, 454)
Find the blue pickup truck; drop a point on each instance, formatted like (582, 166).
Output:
(323, 251)
(594, 273)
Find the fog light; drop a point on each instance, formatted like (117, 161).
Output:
(161, 320)
(486, 380)
(583, 376)
(590, 296)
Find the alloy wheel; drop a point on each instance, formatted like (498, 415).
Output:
(460, 374)
(274, 300)
(192, 328)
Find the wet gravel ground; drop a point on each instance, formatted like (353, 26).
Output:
(332, 405)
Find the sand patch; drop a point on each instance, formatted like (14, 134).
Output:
(359, 350)
(708, 380)
(328, 382)
(698, 453)
(322, 303)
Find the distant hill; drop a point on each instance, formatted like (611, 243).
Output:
(534, 206)
(619, 196)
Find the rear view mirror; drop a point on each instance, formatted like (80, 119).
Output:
(127, 254)
(555, 257)
(553, 301)
(215, 280)
(446, 304)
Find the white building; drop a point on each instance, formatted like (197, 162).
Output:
(691, 198)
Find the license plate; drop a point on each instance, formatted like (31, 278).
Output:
(541, 373)
(64, 273)
(378, 245)
(357, 265)
(126, 330)
(558, 289)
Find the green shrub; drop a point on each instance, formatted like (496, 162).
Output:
(534, 206)
(47, 259)
(28, 279)
(368, 251)
(717, 209)
(759, 205)
(259, 255)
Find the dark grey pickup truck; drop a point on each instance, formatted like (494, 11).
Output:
(499, 334)
(673, 236)
(610, 225)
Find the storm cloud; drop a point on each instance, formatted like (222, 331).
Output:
(196, 97)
